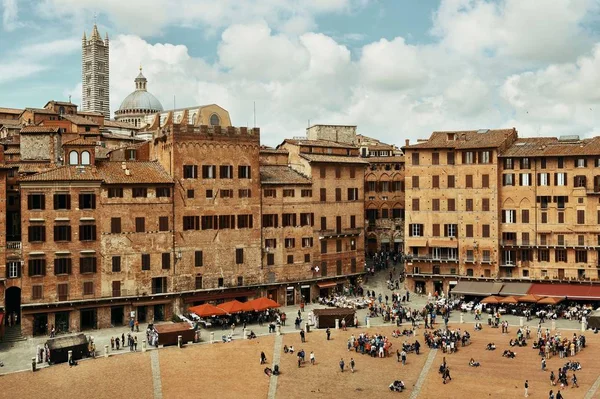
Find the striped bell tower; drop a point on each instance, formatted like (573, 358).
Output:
(95, 73)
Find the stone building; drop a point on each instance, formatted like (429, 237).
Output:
(95, 73)
(138, 104)
(384, 195)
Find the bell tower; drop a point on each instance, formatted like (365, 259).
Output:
(95, 73)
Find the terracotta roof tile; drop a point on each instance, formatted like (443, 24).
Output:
(552, 146)
(14, 111)
(101, 152)
(80, 142)
(32, 167)
(281, 174)
(121, 137)
(466, 139)
(41, 111)
(39, 129)
(12, 151)
(122, 125)
(270, 150)
(79, 120)
(397, 158)
(70, 104)
(140, 172)
(334, 158)
(65, 173)
(319, 143)
(89, 113)
(10, 122)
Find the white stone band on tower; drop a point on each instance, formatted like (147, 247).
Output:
(95, 74)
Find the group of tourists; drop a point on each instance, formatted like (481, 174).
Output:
(446, 339)
(375, 345)
(132, 341)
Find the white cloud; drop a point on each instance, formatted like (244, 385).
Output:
(10, 15)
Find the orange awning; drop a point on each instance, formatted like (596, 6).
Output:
(233, 306)
(207, 310)
(327, 285)
(263, 303)
(491, 299)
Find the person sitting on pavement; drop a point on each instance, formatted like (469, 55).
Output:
(473, 363)
(491, 346)
(397, 386)
(509, 354)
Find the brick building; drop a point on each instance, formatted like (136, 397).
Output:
(487, 205)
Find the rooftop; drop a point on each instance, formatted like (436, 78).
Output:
(40, 111)
(319, 143)
(281, 174)
(39, 129)
(122, 125)
(552, 146)
(14, 150)
(270, 150)
(80, 142)
(14, 111)
(10, 122)
(466, 139)
(393, 158)
(334, 159)
(67, 103)
(65, 173)
(79, 120)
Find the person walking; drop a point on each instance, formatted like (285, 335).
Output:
(352, 364)
(342, 364)
(302, 337)
(312, 358)
(135, 344)
(526, 388)
(343, 324)
(559, 395)
(552, 378)
(263, 358)
(328, 332)
(574, 381)
(543, 364)
(551, 395)
(403, 357)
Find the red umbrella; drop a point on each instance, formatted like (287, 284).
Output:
(233, 306)
(263, 303)
(207, 310)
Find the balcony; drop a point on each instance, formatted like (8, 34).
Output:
(14, 245)
(595, 190)
(516, 243)
(432, 258)
(339, 233)
(508, 263)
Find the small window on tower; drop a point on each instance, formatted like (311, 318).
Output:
(214, 120)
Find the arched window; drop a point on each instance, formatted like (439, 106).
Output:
(73, 158)
(61, 110)
(214, 120)
(85, 158)
(194, 119)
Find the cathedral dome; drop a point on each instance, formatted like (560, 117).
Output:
(141, 100)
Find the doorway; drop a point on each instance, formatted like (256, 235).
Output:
(305, 293)
(62, 322)
(40, 324)
(13, 304)
(438, 286)
(290, 296)
(89, 319)
(116, 315)
(272, 294)
(159, 312)
(561, 274)
(141, 314)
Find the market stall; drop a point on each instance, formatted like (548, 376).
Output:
(325, 318)
(60, 347)
(168, 333)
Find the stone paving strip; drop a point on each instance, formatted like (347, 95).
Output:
(593, 389)
(276, 358)
(156, 375)
(417, 389)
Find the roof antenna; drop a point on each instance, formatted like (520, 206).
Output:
(308, 123)
(174, 107)
(254, 113)
(69, 98)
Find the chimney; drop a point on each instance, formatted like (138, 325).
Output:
(127, 172)
(407, 142)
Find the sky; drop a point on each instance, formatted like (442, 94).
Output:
(398, 69)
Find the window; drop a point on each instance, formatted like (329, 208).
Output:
(163, 223)
(87, 201)
(239, 256)
(214, 120)
(306, 258)
(288, 219)
(270, 259)
(88, 288)
(353, 194)
(190, 193)
(226, 222)
(116, 264)
(469, 230)
(226, 172)
(244, 193)
(306, 193)
(485, 204)
(525, 179)
(435, 158)
(87, 265)
(450, 230)
(323, 194)
(415, 204)
(269, 220)
(469, 181)
(435, 204)
(159, 286)
(560, 200)
(73, 158)
(87, 232)
(581, 240)
(560, 179)
(306, 219)
(145, 261)
(37, 233)
(62, 233)
(525, 216)
(209, 171)
(36, 292)
(485, 231)
(244, 221)
(469, 205)
(508, 163)
(580, 163)
(198, 282)
(580, 216)
(560, 255)
(468, 157)
(338, 245)
(525, 163)
(36, 202)
(115, 192)
(62, 266)
(226, 193)
(415, 158)
(560, 239)
(244, 172)
(581, 256)
(451, 204)
(484, 157)
(415, 230)
(543, 255)
(352, 172)
(198, 261)
(62, 291)
(338, 194)
(115, 225)
(338, 172)
(509, 216)
(324, 246)
(450, 181)
(288, 192)
(62, 201)
(307, 242)
(415, 182)
(192, 222)
(85, 157)
(270, 193)
(435, 230)
(290, 243)
(543, 179)
(450, 158)
(579, 181)
(140, 225)
(37, 267)
(166, 260)
(163, 192)
(435, 182)
(139, 192)
(13, 269)
(508, 179)
(485, 181)
(561, 217)
(323, 172)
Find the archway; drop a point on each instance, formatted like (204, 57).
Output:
(12, 303)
